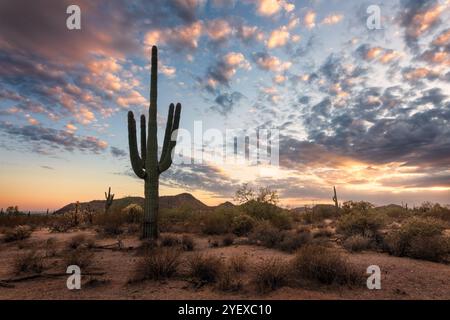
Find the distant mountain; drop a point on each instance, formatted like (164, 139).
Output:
(165, 202)
(225, 205)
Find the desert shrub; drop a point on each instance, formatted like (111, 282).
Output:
(169, 241)
(419, 238)
(356, 206)
(77, 241)
(18, 233)
(205, 269)
(50, 247)
(323, 233)
(394, 212)
(61, 223)
(282, 220)
(324, 265)
(266, 234)
(133, 213)
(217, 223)
(187, 243)
(158, 264)
(319, 213)
(291, 241)
(279, 217)
(242, 225)
(79, 257)
(180, 219)
(228, 240)
(30, 262)
(229, 281)
(112, 225)
(356, 223)
(238, 263)
(435, 211)
(357, 243)
(270, 275)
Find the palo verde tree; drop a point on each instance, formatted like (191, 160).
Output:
(147, 166)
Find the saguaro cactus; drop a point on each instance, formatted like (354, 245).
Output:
(147, 166)
(109, 200)
(335, 199)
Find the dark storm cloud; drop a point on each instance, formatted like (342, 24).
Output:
(41, 139)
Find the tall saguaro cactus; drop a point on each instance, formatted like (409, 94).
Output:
(335, 199)
(109, 200)
(147, 166)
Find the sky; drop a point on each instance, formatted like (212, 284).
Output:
(366, 110)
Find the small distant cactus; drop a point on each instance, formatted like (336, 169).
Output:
(147, 166)
(335, 199)
(109, 200)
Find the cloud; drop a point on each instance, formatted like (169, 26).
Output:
(419, 18)
(270, 7)
(50, 139)
(332, 19)
(117, 152)
(221, 73)
(309, 19)
(201, 177)
(226, 102)
(177, 38)
(218, 30)
(270, 63)
(278, 38)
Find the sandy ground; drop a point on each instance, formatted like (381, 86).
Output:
(402, 278)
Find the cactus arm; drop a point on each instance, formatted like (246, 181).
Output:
(168, 132)
(143, 140)
(166, 162)
(136, 161)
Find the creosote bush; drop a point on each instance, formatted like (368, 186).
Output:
(324, 265)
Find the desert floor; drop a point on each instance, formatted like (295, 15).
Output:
(402, 278)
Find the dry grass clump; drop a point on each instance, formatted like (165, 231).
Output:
(80, 257)
(187, 243)
(80, 240)
(169, 241)
(204, 269)
(291, 241)
(228, 240)
(229, 281)
(50, 247)
(157, 264)
(238, 263)
(270, 275)
(324, 265)
(18, 233)
(357, 243)
(30, 262)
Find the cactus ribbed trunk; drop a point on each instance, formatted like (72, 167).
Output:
(151, 208)
(146, 166)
